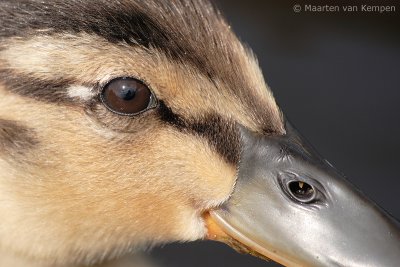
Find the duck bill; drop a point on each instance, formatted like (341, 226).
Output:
(293, 207)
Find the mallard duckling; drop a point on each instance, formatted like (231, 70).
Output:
(128, 124)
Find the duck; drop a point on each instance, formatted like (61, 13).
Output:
(129, 124)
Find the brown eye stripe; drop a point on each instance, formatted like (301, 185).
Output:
(220, 133)
(26, 85)
(126, 96)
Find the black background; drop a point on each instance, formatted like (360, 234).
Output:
(337, 78)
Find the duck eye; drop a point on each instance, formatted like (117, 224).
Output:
(127, 96)
(301, 191)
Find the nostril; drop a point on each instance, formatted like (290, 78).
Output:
(301, 191)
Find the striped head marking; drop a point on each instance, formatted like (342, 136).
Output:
(95, 183)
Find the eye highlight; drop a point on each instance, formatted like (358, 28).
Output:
(127, 96)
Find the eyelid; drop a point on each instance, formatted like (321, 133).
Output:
(103, 82)
(153, 101)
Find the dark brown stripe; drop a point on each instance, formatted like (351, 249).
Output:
(221, 134)
(42, 90)
(15, 139)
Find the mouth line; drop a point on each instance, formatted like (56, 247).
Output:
(220, 230)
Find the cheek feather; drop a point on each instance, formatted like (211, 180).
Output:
(15, 139)
(98, 194)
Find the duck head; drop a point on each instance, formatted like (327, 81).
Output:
(128, 124)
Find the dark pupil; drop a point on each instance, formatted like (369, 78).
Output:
(301, 190)
(127, 93)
